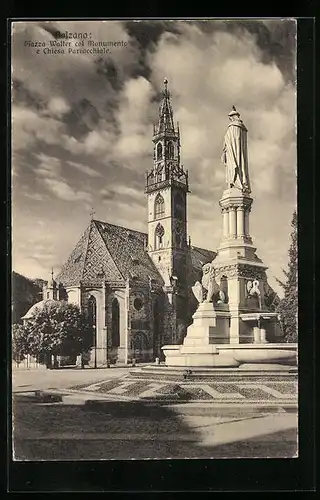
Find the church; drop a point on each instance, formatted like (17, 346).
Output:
(136, 287)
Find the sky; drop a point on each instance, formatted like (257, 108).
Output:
(82, 129)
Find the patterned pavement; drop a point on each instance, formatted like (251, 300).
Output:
(131, 388)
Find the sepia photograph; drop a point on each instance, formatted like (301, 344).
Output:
(154, 239)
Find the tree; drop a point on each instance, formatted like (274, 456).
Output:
(25, 293)
(18, 350)
(288, 306)
(58, 328)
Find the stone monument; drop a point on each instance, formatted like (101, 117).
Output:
(233, 326)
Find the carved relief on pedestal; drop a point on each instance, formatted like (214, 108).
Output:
(230, 271)
(241, 270)
(250, 272)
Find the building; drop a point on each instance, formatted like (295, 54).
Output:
(136, 287)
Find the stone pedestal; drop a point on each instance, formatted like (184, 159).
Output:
(238, 267)
(240, 333)
(209, 328)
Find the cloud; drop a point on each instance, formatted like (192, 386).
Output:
(63, 191)
(49, 175)
(232, 72)
(84, 169)
(133, 118)
(82, 126)
(131, 194)
(30, 127)
(58, 106)
(48, 166)
(35, 196)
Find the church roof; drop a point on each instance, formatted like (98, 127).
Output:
(115, 253)
(110, 251)
(201, 256)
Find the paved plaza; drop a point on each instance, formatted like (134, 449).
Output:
(84, 424)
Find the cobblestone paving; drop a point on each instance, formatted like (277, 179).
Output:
(242, 391)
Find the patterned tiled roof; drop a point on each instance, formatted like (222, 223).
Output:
(201, 256)
(105, 249)
(117, 253)
(72, 270)
(128, 250)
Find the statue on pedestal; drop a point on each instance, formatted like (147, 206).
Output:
(235, 154)
(208, 290)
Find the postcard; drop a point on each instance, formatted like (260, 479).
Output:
(154, 239)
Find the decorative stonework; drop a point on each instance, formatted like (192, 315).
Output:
(241, 270)
(247, 271)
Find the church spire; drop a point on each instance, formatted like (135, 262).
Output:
(167, 168)
(50, 289)
(165, 112)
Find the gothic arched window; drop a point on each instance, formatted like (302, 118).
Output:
(179, 206)
(170, 150)
(159, 151)
(159, 234)
(159, 207)
(115, 323)
(92, 317)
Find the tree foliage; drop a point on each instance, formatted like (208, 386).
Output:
(59, 328)
(288, 306)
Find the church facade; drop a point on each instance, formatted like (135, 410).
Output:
(136, 287)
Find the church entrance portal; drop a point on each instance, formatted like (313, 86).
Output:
(140, 347)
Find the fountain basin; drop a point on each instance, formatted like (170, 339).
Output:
(204, 355)
(245, 356)
(262, 353)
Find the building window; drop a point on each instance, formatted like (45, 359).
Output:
(115, 323)
(170, 150)
(159, 151)
(159, 207)
(137, 303)
(159, 234)
(179, 207)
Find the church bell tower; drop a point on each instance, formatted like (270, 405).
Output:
(166, 188)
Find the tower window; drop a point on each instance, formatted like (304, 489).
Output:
(159, 207)
(179, 206)
(159, 234)
(159, 151)
(170, 150)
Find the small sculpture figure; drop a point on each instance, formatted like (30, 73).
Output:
(208, 288)
(253, 290)
(253, 287)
